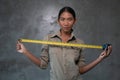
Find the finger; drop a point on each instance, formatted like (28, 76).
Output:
(105, 53)
(110, 47)
(109, 50)
(106, 50)
(19, 41)
(18, 46)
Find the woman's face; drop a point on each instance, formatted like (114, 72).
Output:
(66, 21)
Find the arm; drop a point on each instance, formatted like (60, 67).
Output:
(103, 55)
(21, 48)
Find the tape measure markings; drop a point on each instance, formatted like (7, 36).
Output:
(61, 43)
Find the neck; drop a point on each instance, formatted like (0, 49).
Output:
(65, 36)
(66, 33)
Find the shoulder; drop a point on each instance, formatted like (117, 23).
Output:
(79, 41)
(49, 36)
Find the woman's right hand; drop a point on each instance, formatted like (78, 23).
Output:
(20, 47)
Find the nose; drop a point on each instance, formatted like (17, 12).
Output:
(66, 23)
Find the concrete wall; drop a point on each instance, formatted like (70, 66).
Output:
(98, 22)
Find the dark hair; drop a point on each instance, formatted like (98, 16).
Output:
(67, 9)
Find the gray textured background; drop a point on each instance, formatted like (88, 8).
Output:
(98, 22)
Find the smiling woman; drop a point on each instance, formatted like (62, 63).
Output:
(67, 63)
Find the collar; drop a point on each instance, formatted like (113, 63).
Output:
(58, 34)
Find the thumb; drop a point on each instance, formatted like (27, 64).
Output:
(19, 41)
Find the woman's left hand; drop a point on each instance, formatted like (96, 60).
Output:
(106, 52)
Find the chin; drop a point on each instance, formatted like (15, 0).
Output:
(67, 31)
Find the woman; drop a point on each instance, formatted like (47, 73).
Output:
(67, 63)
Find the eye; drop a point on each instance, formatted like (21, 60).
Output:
(62, 19)
(70, 19)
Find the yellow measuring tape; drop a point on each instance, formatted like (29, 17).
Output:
(62, 44)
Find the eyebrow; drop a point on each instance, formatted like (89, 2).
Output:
(67, 18)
